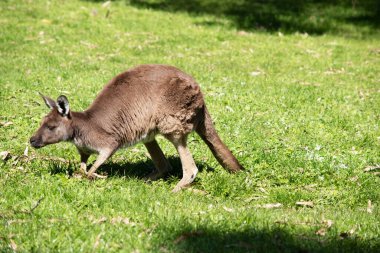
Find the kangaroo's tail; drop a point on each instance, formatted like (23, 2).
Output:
(207, 132)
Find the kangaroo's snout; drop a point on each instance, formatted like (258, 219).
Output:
(35, 142)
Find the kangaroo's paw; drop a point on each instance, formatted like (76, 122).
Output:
(82, 171)
(96, 176)
(100, 176)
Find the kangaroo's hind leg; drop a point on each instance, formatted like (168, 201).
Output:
(189, 168)
(159, 160)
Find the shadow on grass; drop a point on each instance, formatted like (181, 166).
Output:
(127, 169)
(310, 16)
(277, 239)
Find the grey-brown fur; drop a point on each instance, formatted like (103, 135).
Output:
(134, 107)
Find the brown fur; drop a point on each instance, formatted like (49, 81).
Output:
(134, 107)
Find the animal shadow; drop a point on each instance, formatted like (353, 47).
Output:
(142, 168)
(127, 169)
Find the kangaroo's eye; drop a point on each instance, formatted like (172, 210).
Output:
(51, 127)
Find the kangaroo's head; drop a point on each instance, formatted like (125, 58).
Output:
(56, 125)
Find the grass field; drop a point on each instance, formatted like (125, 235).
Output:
(301, 112)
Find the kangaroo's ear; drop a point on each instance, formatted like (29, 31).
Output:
(63, 105)
(48, 101)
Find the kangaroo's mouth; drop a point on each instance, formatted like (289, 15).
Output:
(37, 145)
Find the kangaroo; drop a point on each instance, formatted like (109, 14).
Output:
(134, 107)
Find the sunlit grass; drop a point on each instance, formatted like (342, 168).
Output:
(300, 112)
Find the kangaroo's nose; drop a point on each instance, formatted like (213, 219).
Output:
(34, 142)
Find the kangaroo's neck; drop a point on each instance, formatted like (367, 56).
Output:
(82, 129)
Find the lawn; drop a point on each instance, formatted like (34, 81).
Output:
(300, 111)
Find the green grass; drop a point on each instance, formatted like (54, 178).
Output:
(300, 112)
